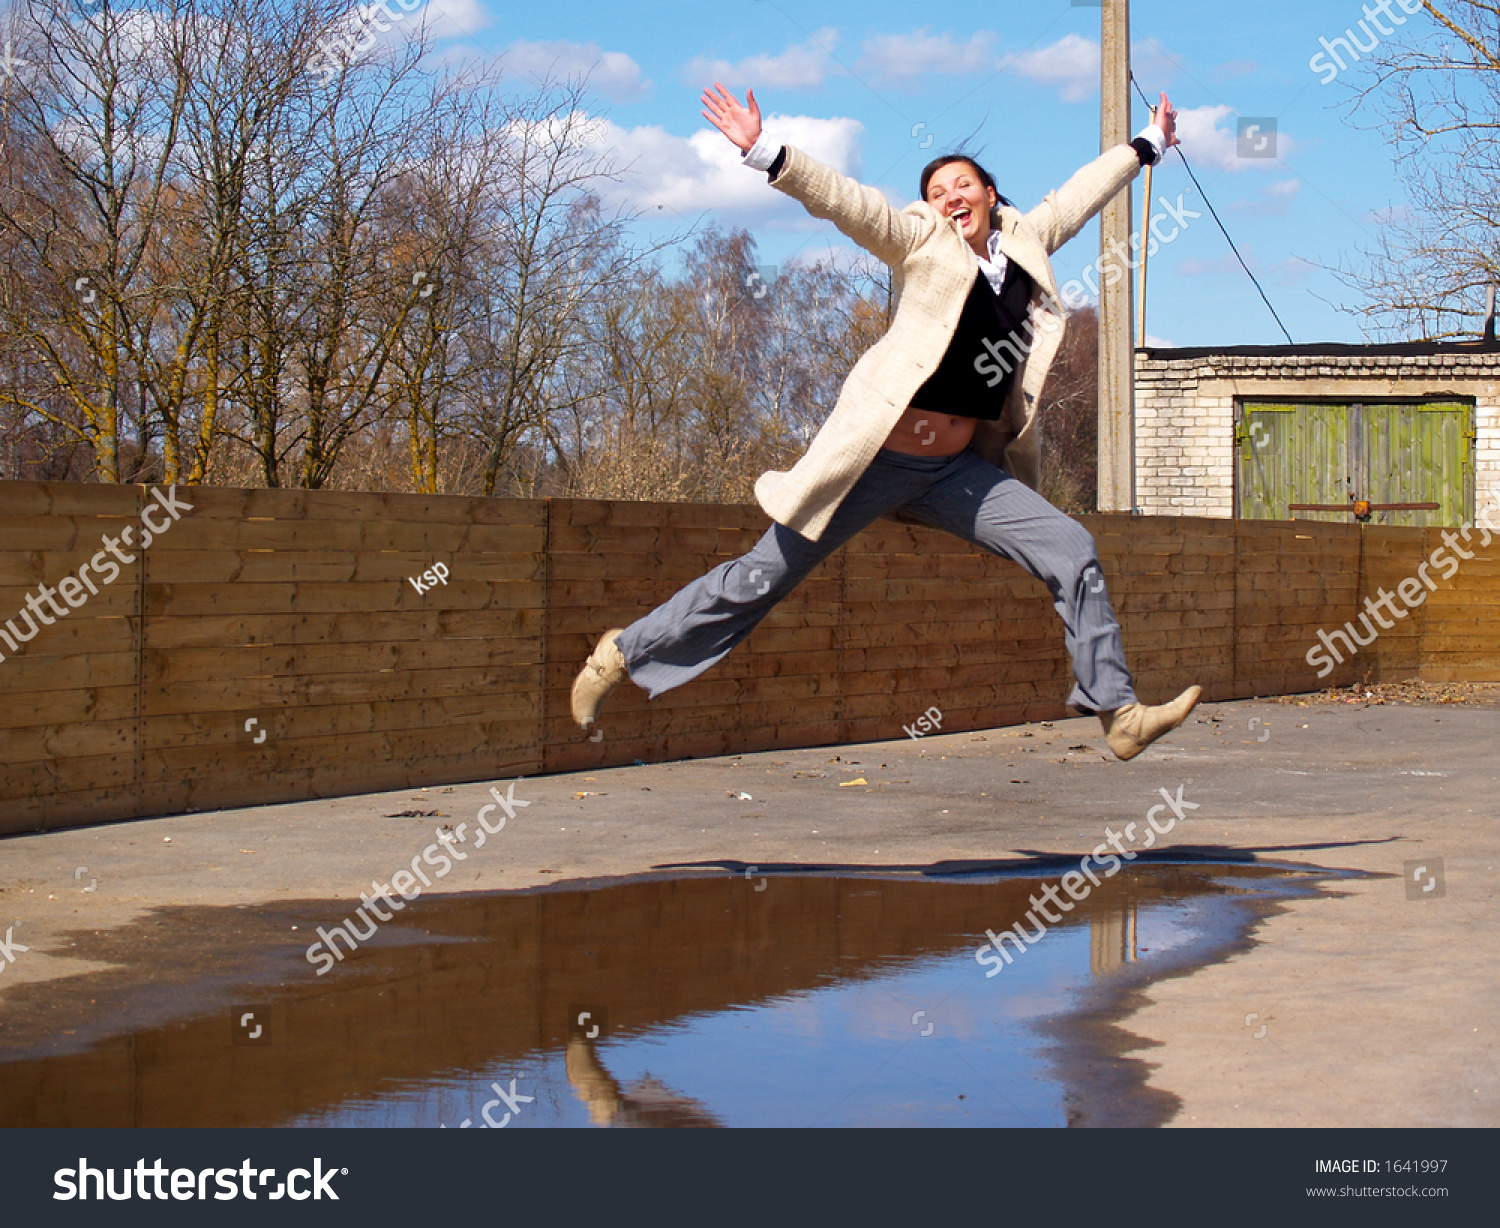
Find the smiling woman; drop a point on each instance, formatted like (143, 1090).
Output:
(936, 421)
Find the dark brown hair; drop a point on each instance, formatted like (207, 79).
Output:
(943, 160)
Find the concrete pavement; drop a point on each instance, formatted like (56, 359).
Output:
(1378, 1009)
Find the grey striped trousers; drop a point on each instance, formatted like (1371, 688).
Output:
(961, 494)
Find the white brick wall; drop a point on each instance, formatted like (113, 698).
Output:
(1184, 431)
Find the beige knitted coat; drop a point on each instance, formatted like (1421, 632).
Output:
(934, 271)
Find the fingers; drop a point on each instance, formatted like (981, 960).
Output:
(1166, 119)
(713, 111)
(727, 100)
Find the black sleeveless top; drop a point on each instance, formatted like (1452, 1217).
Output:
(974, 379)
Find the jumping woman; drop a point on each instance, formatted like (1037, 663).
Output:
(928, 423)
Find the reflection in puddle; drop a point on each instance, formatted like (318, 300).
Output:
(702, 1001)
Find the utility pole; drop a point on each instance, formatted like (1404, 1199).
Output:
(1116, 357)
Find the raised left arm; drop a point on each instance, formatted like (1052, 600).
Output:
(1064, 211)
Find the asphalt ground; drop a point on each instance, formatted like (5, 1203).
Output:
(1374, 1002)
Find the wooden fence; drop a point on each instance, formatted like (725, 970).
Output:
(273, 645)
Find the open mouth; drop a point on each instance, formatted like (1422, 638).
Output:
(961, 216)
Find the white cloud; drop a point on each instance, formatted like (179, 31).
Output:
(895, 57)
(804, 65)
(1158, 343)
(1071, 63)
(1272, 201)
(613, 73)
(1211, 268)
(1202, 139)
(1292, 272)
(1154, 67)
(1209, 137)
(1234, 68)
(839, 254)
(385, 24)
(674, 176)
(451, 18)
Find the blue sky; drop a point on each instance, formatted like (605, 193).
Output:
(876, 88)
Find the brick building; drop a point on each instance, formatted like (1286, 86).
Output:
(1243, 431)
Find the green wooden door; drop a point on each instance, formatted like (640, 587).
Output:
(1386, 452)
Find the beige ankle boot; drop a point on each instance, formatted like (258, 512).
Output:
(1129, 730)
(601, 673)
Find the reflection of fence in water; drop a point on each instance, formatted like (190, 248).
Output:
(1112, 939)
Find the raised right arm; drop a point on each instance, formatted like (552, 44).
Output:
(861, 212)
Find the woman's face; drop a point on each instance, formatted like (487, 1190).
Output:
(957, 192)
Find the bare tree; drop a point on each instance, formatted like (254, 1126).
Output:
(1068, 416)
(706, 379)
(95, 114)
(556, 253)
(232, 255)
(1434, 89)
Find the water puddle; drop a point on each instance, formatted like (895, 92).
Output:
(782, 999)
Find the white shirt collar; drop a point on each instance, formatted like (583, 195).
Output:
(994, 268)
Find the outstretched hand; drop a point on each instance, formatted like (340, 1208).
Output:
(1166, 120)
(740, 124)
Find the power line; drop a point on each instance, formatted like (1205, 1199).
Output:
(1215, 214)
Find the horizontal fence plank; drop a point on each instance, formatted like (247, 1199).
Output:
(22, 676)
(110, 601)
(227, 630)
(348, 756)
(221, 503)
(68, 637)
(52, 707)
(397, 657)
(287, 724)
(69, 499)
(252, 694)
(62, 742)
(186, 600)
